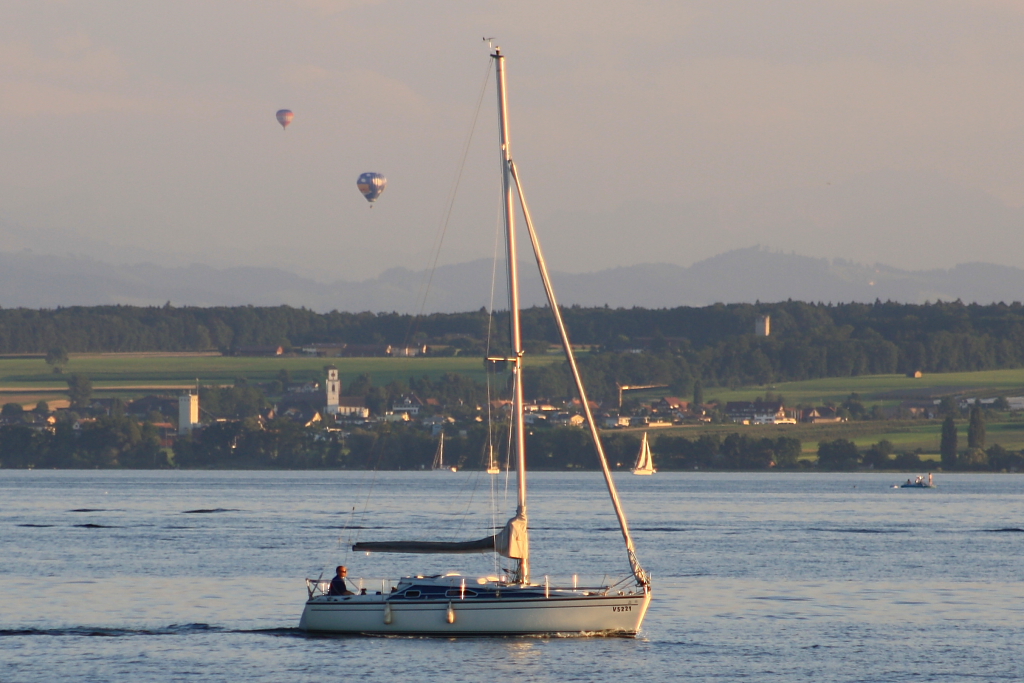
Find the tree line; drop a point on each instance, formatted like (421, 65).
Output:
(713, 343)
(119, 441)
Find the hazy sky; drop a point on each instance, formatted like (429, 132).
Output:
(888, 131)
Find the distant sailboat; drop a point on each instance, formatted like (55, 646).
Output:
(492, 467)
(644, 461)
(439, 457)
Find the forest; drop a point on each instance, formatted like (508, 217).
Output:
(714, 344)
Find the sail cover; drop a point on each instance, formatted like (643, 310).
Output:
(512, 542)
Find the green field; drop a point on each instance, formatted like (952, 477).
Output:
(28, 379)
(883, 389)
(128, 370)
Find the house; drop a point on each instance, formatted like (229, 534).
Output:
(408, 351)
(105, 404)
(408, 403)
(353, 406)
(311, 387)
(614, 421)
(42, 423)
(167, 433)
(577, 405)
(827, 414)
(823, 414)
(324, 349)
(303, 415)
(566, 420)
(502, 405)
(758, 412)
(670, 404)
(926, 409)
(142, 407)
(436, 423)
(777, 419)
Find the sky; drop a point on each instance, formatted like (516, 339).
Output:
(645, 132)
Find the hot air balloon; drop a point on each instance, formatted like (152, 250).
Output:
(371, 185)
(284, 117)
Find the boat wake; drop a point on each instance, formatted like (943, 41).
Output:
(861, 531)
(172, 630)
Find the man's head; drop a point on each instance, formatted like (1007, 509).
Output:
(342, 571)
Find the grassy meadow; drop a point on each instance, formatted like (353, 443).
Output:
(29, 379)
(883, 389)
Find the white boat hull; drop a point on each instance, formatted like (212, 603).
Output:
(618, 615)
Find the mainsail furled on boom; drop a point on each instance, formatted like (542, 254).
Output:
(511, 542)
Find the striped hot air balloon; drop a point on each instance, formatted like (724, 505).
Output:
(371, 185)
(284, 117)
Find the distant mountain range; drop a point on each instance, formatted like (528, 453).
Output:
(743, 275)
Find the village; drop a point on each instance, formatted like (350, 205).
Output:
(323, 406)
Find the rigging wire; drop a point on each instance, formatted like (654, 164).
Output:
(355, 515)
(489, 374)
(380, 441)
(447, 213)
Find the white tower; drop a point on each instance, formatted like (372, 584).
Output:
(333, 390)
(188, 412)
(763, 326)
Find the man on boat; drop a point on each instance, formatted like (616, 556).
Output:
(338, 585)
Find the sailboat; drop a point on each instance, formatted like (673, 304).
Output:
(513, 603)
(439, 457)
(492, 465)
(644, 461)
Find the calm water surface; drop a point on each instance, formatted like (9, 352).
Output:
(172, 576)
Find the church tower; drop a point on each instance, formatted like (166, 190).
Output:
(333, 390)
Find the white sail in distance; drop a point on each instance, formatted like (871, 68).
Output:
(644, 460)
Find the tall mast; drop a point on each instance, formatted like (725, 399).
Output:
(641, 576)
(515, 336)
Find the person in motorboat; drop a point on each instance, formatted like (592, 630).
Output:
(338, 585)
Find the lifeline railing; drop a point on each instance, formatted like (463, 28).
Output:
(365, 586)
(590, 585)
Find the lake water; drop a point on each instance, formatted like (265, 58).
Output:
(172, 576)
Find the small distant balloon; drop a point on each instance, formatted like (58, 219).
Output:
(371, 185)
(284, 117)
